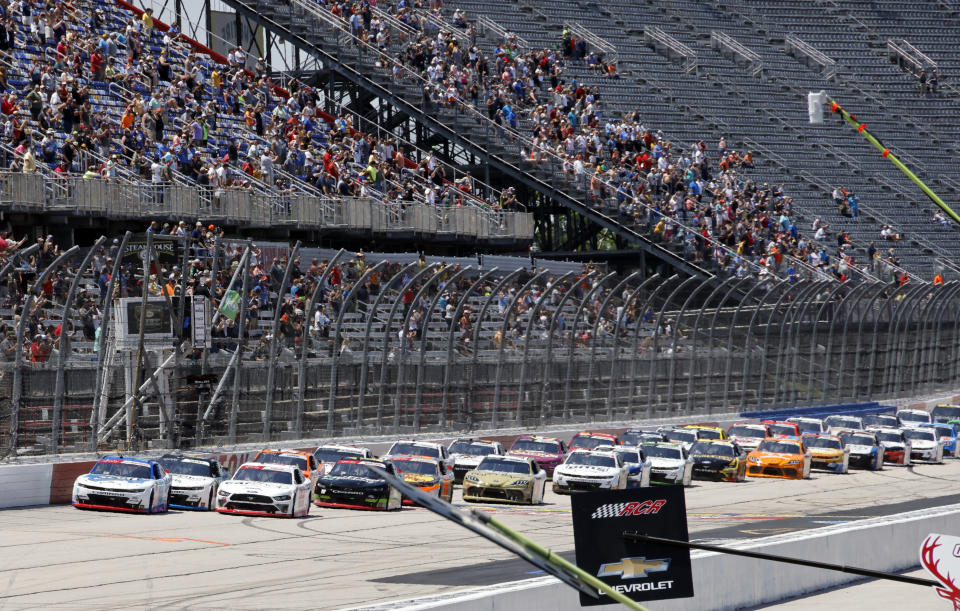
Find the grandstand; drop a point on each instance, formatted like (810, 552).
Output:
(740, 256)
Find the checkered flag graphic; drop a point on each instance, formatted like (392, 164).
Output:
(609, 511)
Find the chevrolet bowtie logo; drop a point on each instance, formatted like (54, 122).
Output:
(633, 568)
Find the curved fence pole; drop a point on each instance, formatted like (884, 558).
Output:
(929, 337)
(888, 310)
(688, 404)
(795, 372)
(794, 331)
(62, 346)
(241, 346)
(713, 325)
(106, 328)
(534, 312)
(399, 403)
(335, 353)
(847, 306)
(733, 323)
(611, 386)
(913, 340)
(747, 348)
(802, 287)
(930, 372)
(504, 329)
(305, 339)
(655, 351)
(903, 314)
(272, 367)
(573, 342)
(788, 324)
(595, 335)
(451, 337)
(425, 327)
(918, 301)
(386, 346)
(367, 334)
(28, 303)
(869, 309)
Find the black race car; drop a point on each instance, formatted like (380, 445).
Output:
(354, 484)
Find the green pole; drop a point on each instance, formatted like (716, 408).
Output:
(539, 550)
(862, 128)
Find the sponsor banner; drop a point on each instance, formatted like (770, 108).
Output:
(641, 571)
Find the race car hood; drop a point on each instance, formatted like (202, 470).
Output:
(769, 458)
(540, 457)
(658, 462)
(190, 481)
(266, 488)
(417, 478)
(709, 459)
(117, 483)
(493, 479)
(923, 444)
(352, 481)
(857, 449)
(576, 470)
(466, 460)
(829, 453)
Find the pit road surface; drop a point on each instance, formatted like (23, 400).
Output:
(61, 557)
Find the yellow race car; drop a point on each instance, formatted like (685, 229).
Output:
(707, 432)
(776, 457)
(505, 479)
(719, 460)
(828, 452)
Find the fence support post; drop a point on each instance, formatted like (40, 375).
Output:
(106, 328)
(595, 339)
(272, 365)
(573, 343)
(688, 404)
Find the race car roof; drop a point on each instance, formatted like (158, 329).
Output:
(373, 462)
(407, 458)
(592, 434)
(593, 452)
(537, 438)
(294, 452)
(335, 446)
(269, 466)
(142, 461)
(207, 459)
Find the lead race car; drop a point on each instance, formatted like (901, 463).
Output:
(120, 483)
(271, 489)
(196, 479)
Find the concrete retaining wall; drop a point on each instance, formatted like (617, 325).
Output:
(22, 485)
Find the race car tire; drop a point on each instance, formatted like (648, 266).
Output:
(166, 503)
(150, 505)
(293, 506)
(210, 502)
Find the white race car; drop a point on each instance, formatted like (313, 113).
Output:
(685, 437)
(808, 425)
(467, 454)
(195, 480)
(638, 465)
(896, 447)
(328, 455)
(839, 422)
(265, 490)
(909, 418)
(124, 484)
(748, 436)
(924, 445)
(590, 470)
(671, 463)
(428, 449)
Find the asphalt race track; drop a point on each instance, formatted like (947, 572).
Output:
(61, 557)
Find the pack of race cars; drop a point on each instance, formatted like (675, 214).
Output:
(284, 483)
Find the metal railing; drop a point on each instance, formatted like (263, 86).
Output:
(595, 42)
(670, 47)
(721, 41)
(807, 53)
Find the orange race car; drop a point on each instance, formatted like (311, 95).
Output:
(305, 461)
(427, 474)
(779, 457)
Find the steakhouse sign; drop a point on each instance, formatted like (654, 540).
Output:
(641, 571)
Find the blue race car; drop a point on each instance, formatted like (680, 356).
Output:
(948, 434)
(195, 480)
(119, 483)
(866, 450)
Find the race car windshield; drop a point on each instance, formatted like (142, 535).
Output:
(680, 436)
(913, 417)
(778, 447)
(586, 441)
(857, 440)
(354, 469)
(188, 466)
(712, 449)
(823, 442)
(808, 427)
(503, 466)
(268, 476)
(946, 412)
(416, 467)
(894, 437)
(532, 445)
(636, 437)
(333, 456)
(589, 460)
(941, 433)
(630, 457)
(663, 452)
(746, 431)
(839, 421)
(915, 435)
(410, 449)
(470, 448)
(283, 459)
(879, 420)
(782, 429)
(708, 434)
(119, 468)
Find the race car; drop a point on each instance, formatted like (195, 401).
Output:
(684, 437)
(547, 451)
(779, 457)
(912, 417)
(427, 474)
(839, 422)
(670, 463)
(506, 479)
(355, 484)
(120, 483)
(808, 425)
(428, 449)
(748, 436)
(866, 451)
(328, 455)
(782, 430)
(590, 470)
(827, 452)
(636, 437)
(195, 480)
(886, 421)
(947, 433)
(718, 460)
(304, 461)
(638, 465)
(924, 445)
(467, 454)
(945, 413)
(896, 447)
(707, 432)
(266, 489)
(588, 441)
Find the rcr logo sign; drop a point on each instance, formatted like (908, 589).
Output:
(616, 510)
